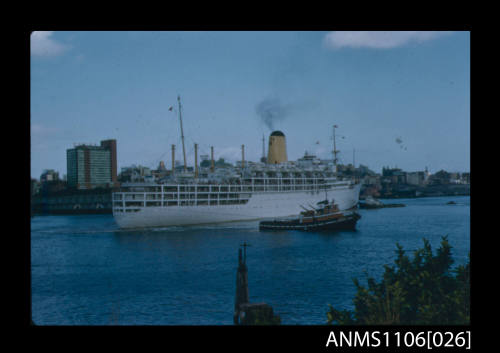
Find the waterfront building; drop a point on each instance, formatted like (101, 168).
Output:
(135, 174)
(440, 178)
(35, 187)
(90, 166)
(111, 146)
(346, 169)
(427, 175)
(363, 171)
(371, 180)
(455, 178)
(465, 178)
(415, 178)
(49, 175)
(394, 175)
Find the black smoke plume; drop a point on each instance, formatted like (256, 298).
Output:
(271, 110)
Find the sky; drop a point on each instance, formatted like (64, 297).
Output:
(398, 99)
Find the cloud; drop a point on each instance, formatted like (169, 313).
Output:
(43, 45)
(41, 130)
(378, 39)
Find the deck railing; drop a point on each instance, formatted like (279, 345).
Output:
(132, 197)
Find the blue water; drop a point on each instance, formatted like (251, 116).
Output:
(85, 271)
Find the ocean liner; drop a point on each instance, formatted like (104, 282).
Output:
(272, 188)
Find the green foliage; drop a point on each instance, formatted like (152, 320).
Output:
(419, 291)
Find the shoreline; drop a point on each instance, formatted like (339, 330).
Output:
(80, 212)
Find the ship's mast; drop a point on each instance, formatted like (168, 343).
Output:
(242, 156)
(334, 148)
(263, 147)
(196, 160)
(212, 163)
(173, 159)
(182, 133)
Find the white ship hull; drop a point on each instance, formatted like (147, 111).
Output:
(260, 206)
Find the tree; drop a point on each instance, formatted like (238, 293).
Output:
(419, 291)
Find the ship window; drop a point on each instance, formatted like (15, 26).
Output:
(131, 203)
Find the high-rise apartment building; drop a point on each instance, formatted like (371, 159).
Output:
(91, 166)
(111, 145)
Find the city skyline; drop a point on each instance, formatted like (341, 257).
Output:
(398, 98)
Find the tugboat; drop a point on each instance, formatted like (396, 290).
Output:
(327, 217)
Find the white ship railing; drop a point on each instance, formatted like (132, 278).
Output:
(135, 196)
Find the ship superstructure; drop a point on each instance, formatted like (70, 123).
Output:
(249, 191)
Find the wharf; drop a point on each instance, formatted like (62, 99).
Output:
(72, 202)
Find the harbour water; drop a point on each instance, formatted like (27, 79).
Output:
(86, 271)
